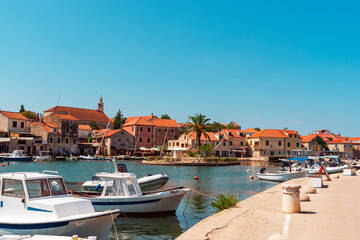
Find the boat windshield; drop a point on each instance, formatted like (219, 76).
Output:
(57, 186)
(12, 188)
(130, 186)
(115, 189)
(37, 188)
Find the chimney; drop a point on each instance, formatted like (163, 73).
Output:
(151, 115)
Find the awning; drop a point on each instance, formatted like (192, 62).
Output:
(177, 149)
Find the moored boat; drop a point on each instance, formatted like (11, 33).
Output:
(38, 203)
(281, 176)
(15, 156)
(125, 193)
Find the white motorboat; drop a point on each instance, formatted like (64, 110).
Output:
(125, 193)
(281, 176)
(38, 203)
(88, 157)
(44, 156)
(15, 156)
(336, 169)
(147, 183)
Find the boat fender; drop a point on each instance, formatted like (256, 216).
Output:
(248, 170)
(2, 164)
(97, 187)
(196, 178)
(251, 177)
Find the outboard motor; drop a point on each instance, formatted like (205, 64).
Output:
(262, 170)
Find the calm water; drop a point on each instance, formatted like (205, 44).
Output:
(193, 208)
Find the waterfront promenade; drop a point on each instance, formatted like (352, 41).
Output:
(332, 213)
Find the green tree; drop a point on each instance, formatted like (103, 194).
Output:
(232, 126)
(22, 108)
(29, 114)
(206, 150)
(215, 126)
(165, 116)
(198, 125)
(119, 120)
(257, 129)
(94, 125)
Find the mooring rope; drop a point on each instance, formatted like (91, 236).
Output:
(113, 221)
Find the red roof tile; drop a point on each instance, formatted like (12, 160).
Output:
(138, 121)
(82, 114)
(165, 123)
(232, 133)
(14, 115)
(249, 130)
(84, 127)
(192, 136)
(308, 138)
(66, 117)
(269, 133)
(144, 117)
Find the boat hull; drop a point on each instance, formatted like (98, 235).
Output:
(280, 177)
(161, 203)
(15, 159)
(330, 170)
(96, 225)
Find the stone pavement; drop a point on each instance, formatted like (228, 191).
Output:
(332, 213)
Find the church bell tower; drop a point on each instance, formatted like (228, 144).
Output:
(101, 105)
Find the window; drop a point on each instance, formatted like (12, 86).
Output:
(241, 143)
(14, 124)
(279, 143)
(22, 124)
(149, 129)
(140, 140)
(57, 186)
(66, 140)
(37, 188)
(127, 140)
(182, 145)
(230, 143)
(119, 140)
(140, 129)
(288, 144)
(290, 135)
(172, 130)
(130, 186)
(177, 144)
(13, 188)
(51, 140)
(250, 142)
(297, 144)
(224, 143)
(148, 140)
(267, 143)
(159, 130)
(165, 130)
(58, 140)
(74, 140)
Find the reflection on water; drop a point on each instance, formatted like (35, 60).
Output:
(192, 209)
(161, 227)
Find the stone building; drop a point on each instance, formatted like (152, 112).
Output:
(165, 130)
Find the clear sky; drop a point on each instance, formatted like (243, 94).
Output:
(267, 64)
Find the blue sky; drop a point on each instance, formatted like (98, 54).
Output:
(267, 64)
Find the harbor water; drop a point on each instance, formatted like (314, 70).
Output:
(193, 208)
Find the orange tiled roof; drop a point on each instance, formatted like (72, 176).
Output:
(138, 121)
(112, 132)
(308, 138)
(165, 123)
(51, 125)
(14, 115)
(269, 133)
(249, 130)
(354, 139)
(84, 127)
(66, 117)
(81, 114)
(129, 119)
(337, 141)
(291, 132)
(232, 133)
(192, 136)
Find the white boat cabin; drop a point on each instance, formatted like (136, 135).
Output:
(25, 196)
(120, 185)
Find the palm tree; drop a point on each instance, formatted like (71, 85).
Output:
(198, 126)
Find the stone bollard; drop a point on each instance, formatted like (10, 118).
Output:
(291, 198)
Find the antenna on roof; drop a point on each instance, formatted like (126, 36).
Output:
(58, 100)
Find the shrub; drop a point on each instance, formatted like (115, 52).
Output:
(206, 150)
(222, 201)
(191, 154)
